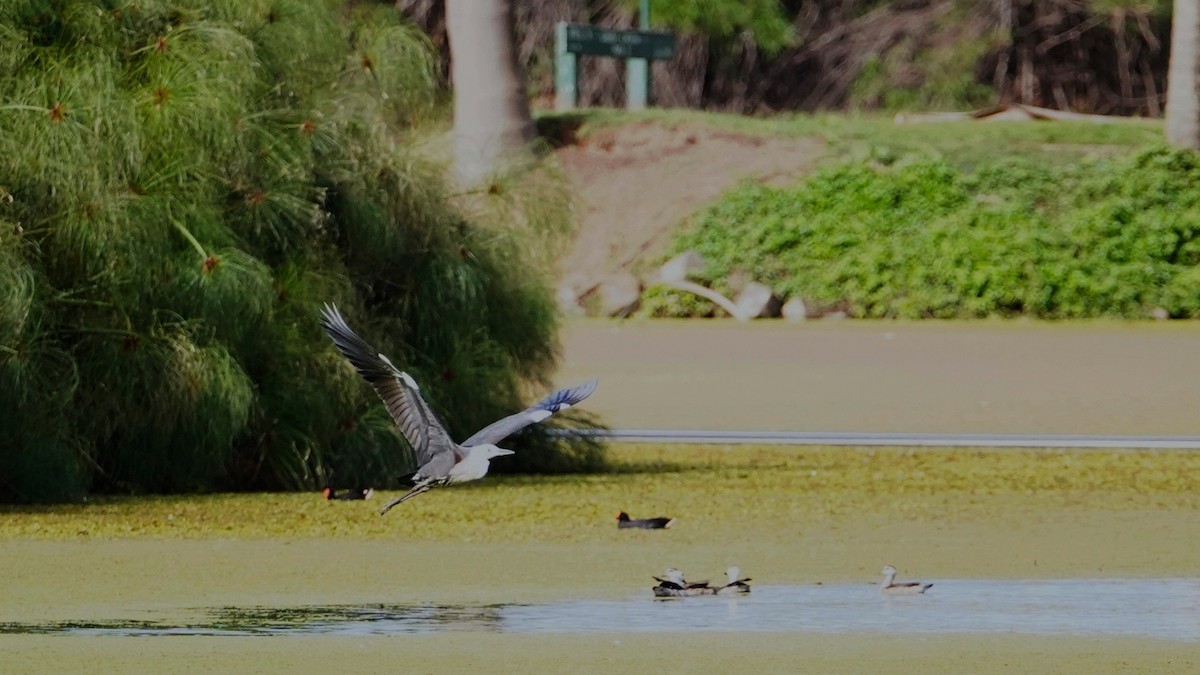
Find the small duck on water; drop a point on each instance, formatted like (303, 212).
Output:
(673, 585)
(736, 583)
(889, 586)
(625, 522)
(353, 493)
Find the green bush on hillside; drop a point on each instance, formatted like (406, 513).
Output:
(182, 184)
(1116, 238)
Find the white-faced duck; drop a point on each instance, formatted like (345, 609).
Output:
(673, 585)
(889, 586)
(736, 583)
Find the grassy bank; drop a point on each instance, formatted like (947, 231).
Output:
(955, 219)
(879, 137)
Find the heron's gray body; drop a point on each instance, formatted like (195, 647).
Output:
(440, 461)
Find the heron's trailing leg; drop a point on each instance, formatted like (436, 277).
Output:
(422, 486)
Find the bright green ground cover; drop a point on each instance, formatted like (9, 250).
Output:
(1110, 237)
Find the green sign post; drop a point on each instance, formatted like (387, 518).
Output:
(637, 47)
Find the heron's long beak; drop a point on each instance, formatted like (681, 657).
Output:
(501, 452)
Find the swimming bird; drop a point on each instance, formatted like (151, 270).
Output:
(352, 493)
(673, 585)
(675, 576)
(624, 522)
(736, 583)
(889, 586)
(440, 461)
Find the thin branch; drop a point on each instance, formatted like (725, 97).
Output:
(1070, 34)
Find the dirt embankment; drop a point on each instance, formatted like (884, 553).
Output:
(638, 182)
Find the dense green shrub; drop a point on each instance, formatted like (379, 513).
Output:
(1117, 237)
(182, 184)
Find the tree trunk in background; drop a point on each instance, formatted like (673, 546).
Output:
(491, 110)
(1183, 90)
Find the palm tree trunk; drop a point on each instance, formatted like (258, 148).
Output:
(1183, 88)
(491, 110)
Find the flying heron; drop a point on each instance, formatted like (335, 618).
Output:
(440, 461)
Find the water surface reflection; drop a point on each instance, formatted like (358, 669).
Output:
(1156, 608)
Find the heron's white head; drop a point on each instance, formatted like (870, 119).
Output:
(489, 451)
(733, 573)
(673, 574)
(889, 571)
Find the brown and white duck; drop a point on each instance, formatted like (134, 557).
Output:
(673, 585)
(889, 586)
(736, 583)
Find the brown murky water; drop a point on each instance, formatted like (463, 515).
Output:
(876, 376)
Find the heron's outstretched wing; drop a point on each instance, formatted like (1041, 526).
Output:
(399, 392)
(559, 400)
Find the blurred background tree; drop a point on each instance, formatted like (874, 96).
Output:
(182, 184)
(1183, 97)
(492, 121)
(1099, 56)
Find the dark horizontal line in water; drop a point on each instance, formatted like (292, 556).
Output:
(886, 439)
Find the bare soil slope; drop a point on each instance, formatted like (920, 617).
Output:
(637, 182)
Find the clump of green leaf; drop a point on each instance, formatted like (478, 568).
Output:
(1117, 237)
(182, 184)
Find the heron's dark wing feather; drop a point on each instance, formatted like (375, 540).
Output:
(398, 390)
(559, 400)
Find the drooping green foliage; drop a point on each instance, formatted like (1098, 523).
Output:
(1117, 237)
(763, 21)
(182, 184)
